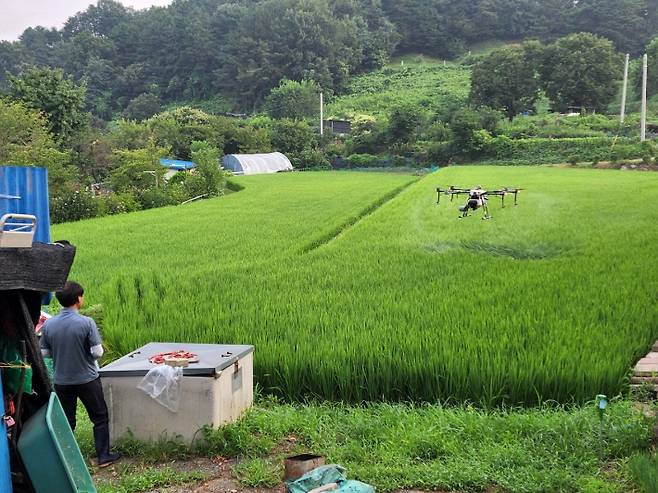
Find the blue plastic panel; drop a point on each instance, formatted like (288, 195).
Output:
(24, 190)
(176, 164)
(5, 470)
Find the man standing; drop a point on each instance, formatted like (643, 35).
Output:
(74, 344)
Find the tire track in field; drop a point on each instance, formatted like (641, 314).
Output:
(354, 220)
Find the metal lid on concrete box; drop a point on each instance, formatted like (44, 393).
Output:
(213, 358)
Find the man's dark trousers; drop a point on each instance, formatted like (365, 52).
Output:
(91, 395)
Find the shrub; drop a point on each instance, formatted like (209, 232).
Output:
(312, 158)
(363, 160)
(118, 203)
(177, 190)
(154, 197)
(542, 150)
(439, 153)
(143, 106)
(292, 137)
(211, 177)
(648, 152)
(292, 99)
(73, 206)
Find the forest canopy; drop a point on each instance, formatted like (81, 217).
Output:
(235, 52)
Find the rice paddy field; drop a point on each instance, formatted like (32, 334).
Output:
(359, 287)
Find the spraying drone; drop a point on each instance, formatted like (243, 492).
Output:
(477, 197)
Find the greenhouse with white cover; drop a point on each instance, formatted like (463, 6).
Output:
(256, 164)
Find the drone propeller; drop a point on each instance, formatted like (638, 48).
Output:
(452, 191)
(505, 191)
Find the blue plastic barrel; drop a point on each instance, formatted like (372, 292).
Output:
(5, 467)
(24, 190)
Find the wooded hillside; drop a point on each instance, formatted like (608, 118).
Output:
(232, 53)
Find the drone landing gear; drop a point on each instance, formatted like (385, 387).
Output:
(464, 211)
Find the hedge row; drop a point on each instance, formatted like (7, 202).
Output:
(587, 149)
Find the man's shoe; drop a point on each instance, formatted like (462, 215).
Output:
(108, 459)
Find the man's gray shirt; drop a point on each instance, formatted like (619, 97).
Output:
(69, 337)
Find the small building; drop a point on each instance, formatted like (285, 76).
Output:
(256, 164)
(340, 127)
(174, 166)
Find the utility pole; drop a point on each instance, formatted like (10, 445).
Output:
(321, 114)
(643, 113)
(623, 91)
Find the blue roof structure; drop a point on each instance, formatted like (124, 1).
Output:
(177, 165)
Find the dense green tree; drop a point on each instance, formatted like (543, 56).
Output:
(652, 19)
(292, 99)
(99, 20)
(295, 39)
(143, 106)
(129, 134)
(57, 96)
(39, 43)
(91, 153)
(377, 36)
(425, 28)
(138, 170)
(74, 54)
(369, 136)
(235, 137)
(241, 49)
(207, 177)
(581, 70)
(403, 123)
(178, 128)
(652, 70)
(292, 137)
(621, 21)
(471, 128)
(505, 80)
(101, 80)
(252, 140)
(24, 140)
(13, 57)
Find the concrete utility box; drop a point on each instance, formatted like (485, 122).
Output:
(215, 390)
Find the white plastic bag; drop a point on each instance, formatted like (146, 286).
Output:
(164, 384)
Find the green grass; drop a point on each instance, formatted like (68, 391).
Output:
(134, 479)
(644, 470)
(257, 472)
(429, 447)
(550, 300)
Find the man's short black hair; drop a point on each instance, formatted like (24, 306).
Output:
(69, 294)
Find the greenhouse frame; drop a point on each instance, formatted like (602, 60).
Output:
(256, 164)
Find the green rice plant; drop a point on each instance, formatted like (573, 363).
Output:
(553, 299)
